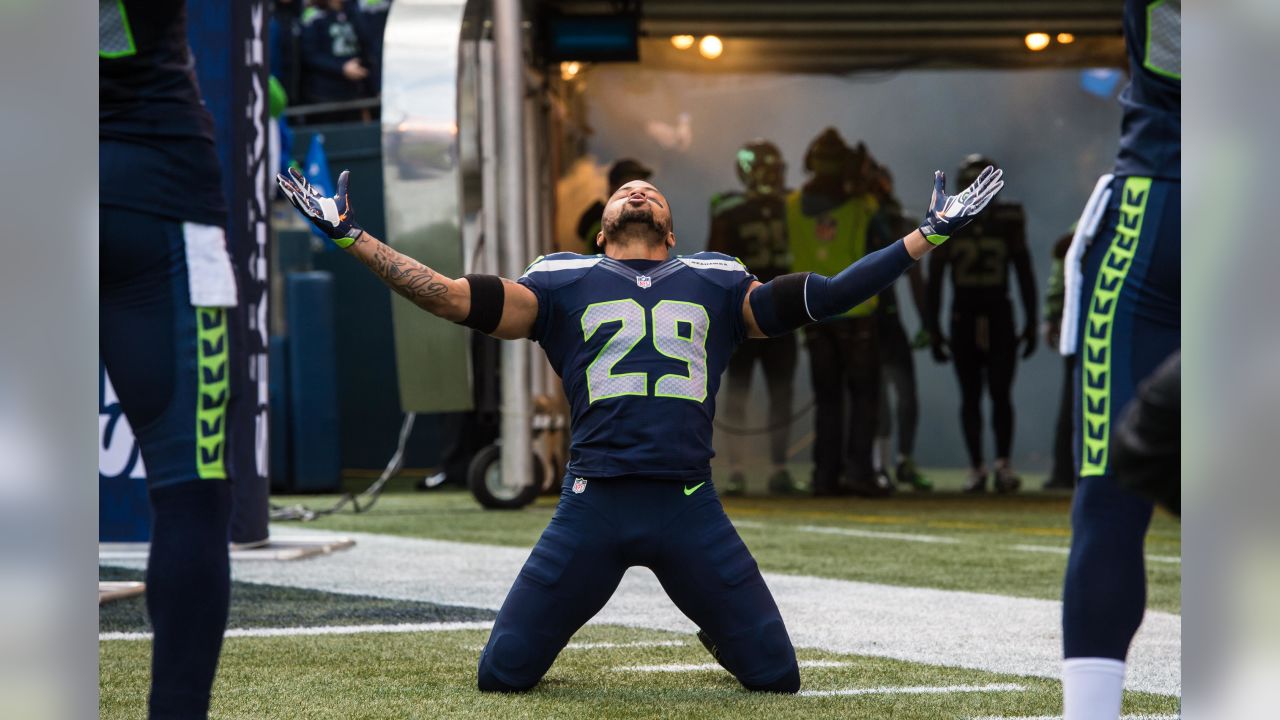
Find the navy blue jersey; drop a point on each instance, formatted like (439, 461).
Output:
(328, 42)
(155, 137)
(640, 345)
(1151, 132)
(753, 228)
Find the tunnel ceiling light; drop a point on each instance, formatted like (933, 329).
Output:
(682, 42)
(710, 47)
(1066, 38)
(569, 70)
(1036, 41)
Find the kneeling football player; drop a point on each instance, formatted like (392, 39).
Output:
(640, 340)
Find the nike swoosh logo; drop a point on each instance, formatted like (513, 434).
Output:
(692, 490)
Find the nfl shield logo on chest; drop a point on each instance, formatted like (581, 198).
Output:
(644, 281)
(579, 484)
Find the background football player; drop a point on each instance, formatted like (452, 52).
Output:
(751, 226)
(640, 340)
(983, 343)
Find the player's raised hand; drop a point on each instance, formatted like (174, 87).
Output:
(947, 214)
(334, 216)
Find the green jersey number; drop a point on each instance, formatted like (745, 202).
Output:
(679, 331)
(980, 262)
(115, 37)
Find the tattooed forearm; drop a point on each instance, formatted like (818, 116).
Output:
(407, 277)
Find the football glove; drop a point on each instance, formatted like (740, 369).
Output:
(947, 214)
(333, 216)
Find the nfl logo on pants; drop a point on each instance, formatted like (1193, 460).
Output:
(644, 281)
(579, 484)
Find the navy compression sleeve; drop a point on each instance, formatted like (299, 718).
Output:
(792, 301)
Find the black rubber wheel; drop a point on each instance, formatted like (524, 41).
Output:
(484, 478)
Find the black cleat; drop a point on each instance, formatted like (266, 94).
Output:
(1006, 480)
(781, 483)
(976, 484)
(908, 475)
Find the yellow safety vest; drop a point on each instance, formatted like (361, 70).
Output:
(831, 241)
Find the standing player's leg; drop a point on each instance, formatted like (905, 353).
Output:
(708, 572)
(967, 358)
(1129, 323)
(168, 363)
(862, 363)
(569, 576)
(1062, 476)
(826, 365)
(778, 356)
(1002, 364)
(741, 366)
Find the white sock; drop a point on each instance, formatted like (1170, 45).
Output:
(1092, 688)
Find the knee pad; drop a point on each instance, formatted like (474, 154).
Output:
(506, 665)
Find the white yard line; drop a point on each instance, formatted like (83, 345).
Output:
(1059, 717)
(697, 667)
(1059, 550)
(612, 645)
(980, 631)
(913, 537)
(323, 630)
(877, 534)
(916, 690)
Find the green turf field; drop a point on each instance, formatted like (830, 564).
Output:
(432, 675)
(1010, 545)
(994, 544)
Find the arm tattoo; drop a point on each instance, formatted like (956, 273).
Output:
(409, 278)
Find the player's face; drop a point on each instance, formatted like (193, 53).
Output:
(637, 204)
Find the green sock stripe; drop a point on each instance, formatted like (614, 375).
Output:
(213, 387)
(1096, 350)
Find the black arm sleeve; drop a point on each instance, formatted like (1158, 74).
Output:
(791, 301)
(487, 299)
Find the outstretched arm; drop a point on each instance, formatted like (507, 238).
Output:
(792, 301)
(496, 306)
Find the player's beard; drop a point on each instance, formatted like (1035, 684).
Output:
(635, 223)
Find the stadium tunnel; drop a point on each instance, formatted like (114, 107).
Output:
(491, 121)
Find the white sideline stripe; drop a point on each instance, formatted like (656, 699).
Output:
(1057, 550)
(877, 534)
(916, 690)
(978, 631)
(1059, 717)
(695, 667)
(322, 630)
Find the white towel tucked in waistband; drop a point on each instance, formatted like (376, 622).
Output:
(1086, 230)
